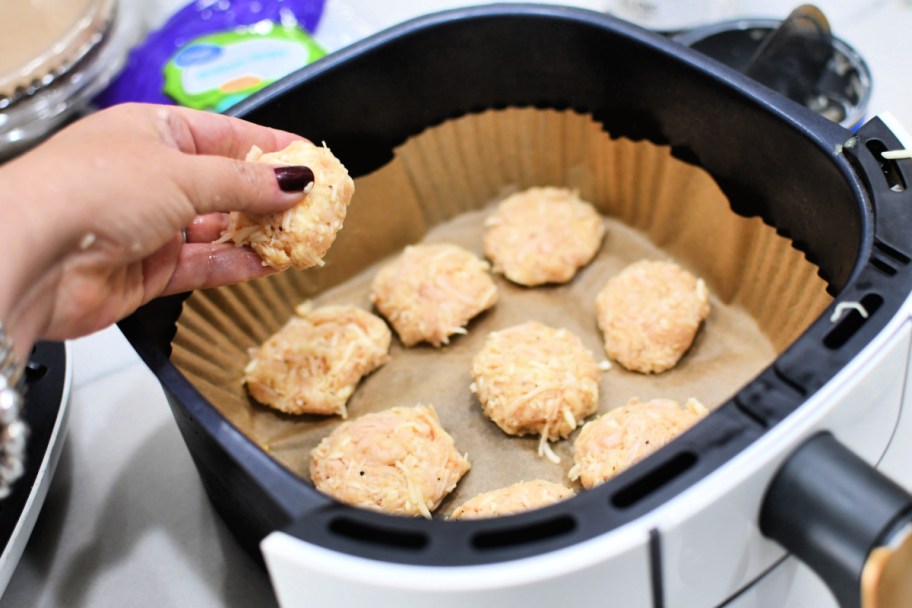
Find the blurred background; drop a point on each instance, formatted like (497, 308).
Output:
(126, 522)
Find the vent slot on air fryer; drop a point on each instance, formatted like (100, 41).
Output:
(854, 317)
(521, 535)
(377, 535)
(886, 259)
(659, 476)
(883, 266)
(894, 178)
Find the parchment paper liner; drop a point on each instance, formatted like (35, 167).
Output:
(764, 292)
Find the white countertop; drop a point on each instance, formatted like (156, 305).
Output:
(126, 521)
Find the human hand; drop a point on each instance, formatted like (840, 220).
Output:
(92, 218)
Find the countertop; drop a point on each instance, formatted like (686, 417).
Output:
(126, 521)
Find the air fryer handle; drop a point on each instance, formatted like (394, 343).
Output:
(844, 519)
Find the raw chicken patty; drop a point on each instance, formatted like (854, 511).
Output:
(399, 461)
(430, 292)
(517, 498)
(619, 439)
(535, 379)
(313, 364)
(649, 315)
(542, 235)
(300, 236)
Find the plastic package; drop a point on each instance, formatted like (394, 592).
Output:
(213, 53)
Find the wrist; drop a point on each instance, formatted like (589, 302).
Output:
(13, 430)
(28, 254)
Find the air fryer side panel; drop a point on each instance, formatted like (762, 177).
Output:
(860, 406)
(609, 571)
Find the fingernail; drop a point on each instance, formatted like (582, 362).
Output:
(294, 179)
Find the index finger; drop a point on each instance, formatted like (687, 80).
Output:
(199, 132)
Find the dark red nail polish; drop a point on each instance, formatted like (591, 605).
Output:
(294, 179)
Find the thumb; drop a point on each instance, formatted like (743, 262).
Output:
(219, 184)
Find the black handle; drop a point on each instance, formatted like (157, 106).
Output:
(832, 510)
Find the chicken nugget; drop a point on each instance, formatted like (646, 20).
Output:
(300, 236)
(619, 439)
(649, 315)
(399, 461)
(535, 379)
(542, 235)
(516, 498)
(313, 364)
(430, 292)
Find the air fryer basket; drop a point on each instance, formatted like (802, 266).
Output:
(828, 191)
